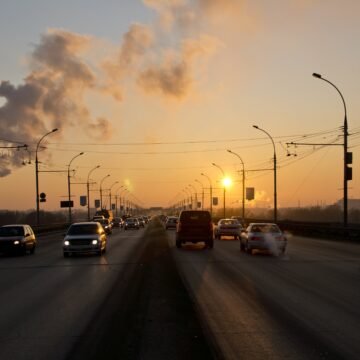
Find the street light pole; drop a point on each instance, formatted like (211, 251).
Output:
(202, 174)
(275, 190)
(88, 189)
(37, 177)
(69, 192)
(116, 198)
(195, 195)
(347, 159)
(101, 205)
(202, 194)
(243, 182)
(223, 174)
(116, 182)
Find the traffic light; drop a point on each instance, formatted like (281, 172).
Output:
(42, 197)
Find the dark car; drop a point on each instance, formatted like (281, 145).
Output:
(131, 223)
(171, 222)
(17, 238)
(118, 222)
(85, 237)
(195, 226)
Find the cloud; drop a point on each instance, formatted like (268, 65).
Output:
(52, 95)
(172, 75)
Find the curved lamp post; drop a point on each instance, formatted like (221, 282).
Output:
(223, 174)
(116, 182)
(88, 189)
(275, 190)
(202, 193)
(195, 192)
(116, 199)
(202, 174)
(101, 204)
(69, 192)
(243, 182)
(37, 176)
(347, 156)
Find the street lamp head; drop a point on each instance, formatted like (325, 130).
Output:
(82, 153)
(316, 75)
(53, 130)
(213, 164)
(229, 151)
(255, 126)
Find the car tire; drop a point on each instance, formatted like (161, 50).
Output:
(248, 249)
(32, 251)
(178, 244)
(210, 244)
(66, 254)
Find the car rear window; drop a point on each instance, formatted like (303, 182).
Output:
(229, 222)
(195, 216)
(12, 231)
(265, 228)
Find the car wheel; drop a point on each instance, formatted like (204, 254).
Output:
(210, 244)
(178, 244)
(248, 249)
(32, 251)
(23, 251)
(66, 254)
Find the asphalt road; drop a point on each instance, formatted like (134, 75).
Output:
(146, 299)
(304, 305)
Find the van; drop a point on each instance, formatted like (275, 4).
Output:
(195, 226)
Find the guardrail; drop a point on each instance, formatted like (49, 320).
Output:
(318, 229)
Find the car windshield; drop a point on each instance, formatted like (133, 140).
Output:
(265, 228)
(83, 229)
(11, 231)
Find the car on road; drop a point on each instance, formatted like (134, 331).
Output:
(195, 226)
(85, 237)
(171, 222)
(131, 223)
(265, 237)
(17, 238)
(228, 227)
(117, 222)
(106, 224)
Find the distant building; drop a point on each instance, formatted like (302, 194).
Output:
(353, 204)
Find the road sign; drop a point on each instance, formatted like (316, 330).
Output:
(250, 193)
(83, 200)
(66, 204)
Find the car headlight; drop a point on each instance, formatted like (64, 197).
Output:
(16, 242)
(66, 242)
(94, 242)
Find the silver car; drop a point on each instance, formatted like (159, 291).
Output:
(228, 227)
(263, 236)
(85, 237)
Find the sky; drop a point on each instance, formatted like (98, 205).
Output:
(156, 91)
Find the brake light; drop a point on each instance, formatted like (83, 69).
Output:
(178, 226)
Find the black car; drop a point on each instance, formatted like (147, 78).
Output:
(195, 226)
(17, 238)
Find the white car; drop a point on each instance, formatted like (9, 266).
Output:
(263, 236)
(228, 227)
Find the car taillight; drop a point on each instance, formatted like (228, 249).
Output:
(178, 226)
